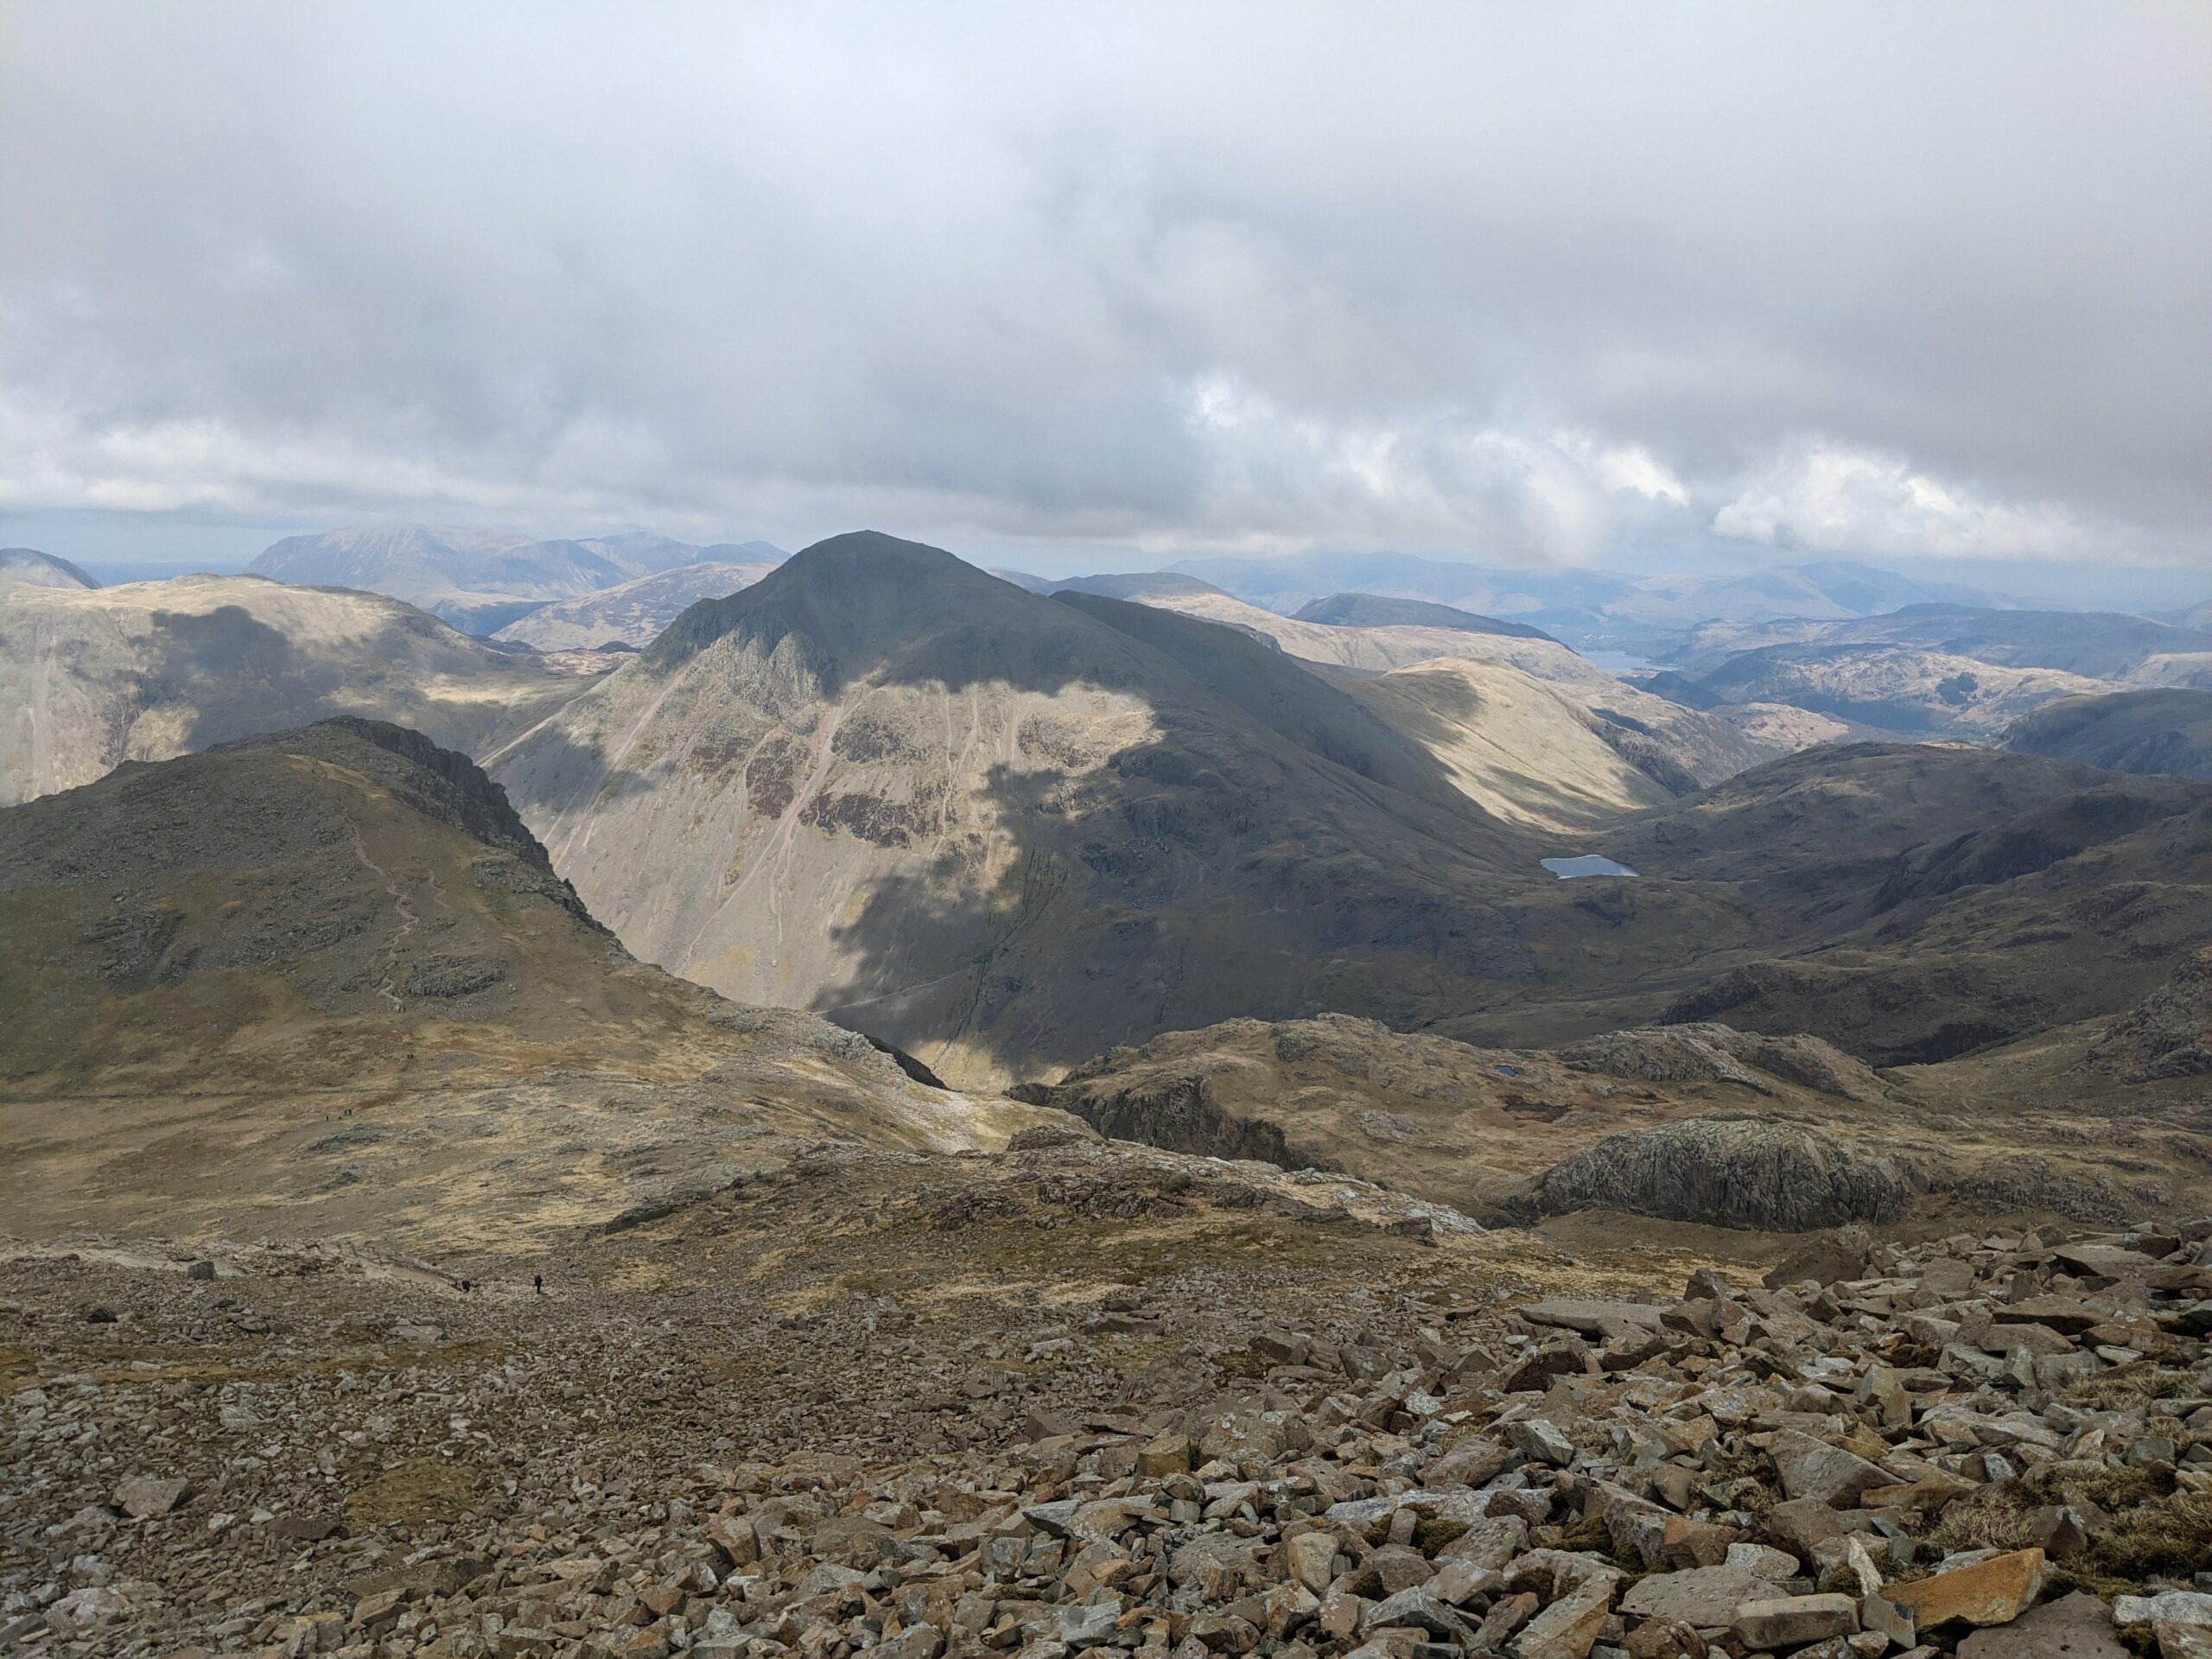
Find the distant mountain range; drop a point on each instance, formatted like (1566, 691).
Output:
(1586, 608)
(1009, 830)
(1945, 671)
(481, 581)
(630, 613)
(93, 678)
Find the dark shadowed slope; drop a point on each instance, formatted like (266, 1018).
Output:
(2164, 731)
(1906, 903)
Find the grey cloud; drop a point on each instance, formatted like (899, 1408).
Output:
(958, 270)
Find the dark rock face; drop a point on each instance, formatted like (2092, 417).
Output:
(1727, 1172)
(1179, 1114)
(1716, 1053)
(2169, 1034)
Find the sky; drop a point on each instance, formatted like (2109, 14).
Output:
(1084, 286)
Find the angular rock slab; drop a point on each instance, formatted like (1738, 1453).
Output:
(142, 1496)
(1703, 1596)
(2077, 1627)
(1811, 1468)
(1795, 1621)
(1994, 1592)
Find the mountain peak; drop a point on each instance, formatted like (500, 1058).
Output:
(873, 555)
(849, 591)
(37, 570)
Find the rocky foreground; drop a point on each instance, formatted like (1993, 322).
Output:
(1988, 1446)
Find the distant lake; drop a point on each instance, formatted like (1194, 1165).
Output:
(1588, 864)
(1621, 662)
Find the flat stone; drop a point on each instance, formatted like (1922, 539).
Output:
(2038, 1341)
(1764, 1559)
(1664, 1638)
(1795, 1621)
(1541, 1441)
(1593, 1319)
(1881, 1616)
(1704, 1596)
(1419, 1610)
(2177, 1641)
(2061, 1313)
(146, 1495)
(1054, 1517)
(1489, 1542)
(2182, 1607)
(1931, 1492)
(1105, 1517)
(1086, 1623)
(1811, 1468)
(824, 1579)
(1803, 1524)
(1470, 1463)
(1570, 1627)
(307, 1529)
(1994, 1592)
(1460, 1582)
(1310, 1556)
(2075, 1627)
(1165, 1454)
(2103, 1261)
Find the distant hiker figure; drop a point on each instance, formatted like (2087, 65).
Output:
(465, 1287)
(539, 1280)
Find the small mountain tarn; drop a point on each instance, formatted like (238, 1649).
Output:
(1571, 867)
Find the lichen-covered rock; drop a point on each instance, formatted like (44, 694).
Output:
(1728, 1173)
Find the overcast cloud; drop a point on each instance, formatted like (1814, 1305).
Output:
(1515, 282)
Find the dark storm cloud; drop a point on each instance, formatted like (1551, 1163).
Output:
(1523, 281)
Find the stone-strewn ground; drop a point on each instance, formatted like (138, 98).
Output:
(1082, 1397)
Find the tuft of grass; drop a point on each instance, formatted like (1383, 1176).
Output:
(2169, 1538)
(1994, 1518)
(411, 1493)
(2098, 1483)
(2128, 1385)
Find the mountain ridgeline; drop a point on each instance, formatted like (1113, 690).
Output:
(988, 825)
(1006, 829)
(482, 581)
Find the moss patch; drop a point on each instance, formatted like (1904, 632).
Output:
(418, 1490)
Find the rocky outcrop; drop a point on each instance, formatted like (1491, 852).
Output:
(2168, 1034)
(1727, 1172)
(1716, 1053)
(1178, 1115)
